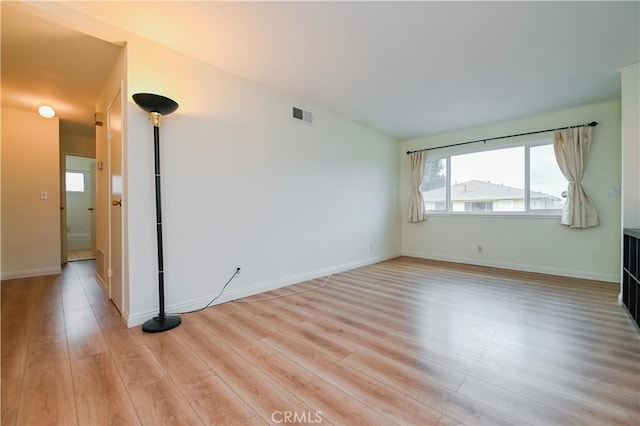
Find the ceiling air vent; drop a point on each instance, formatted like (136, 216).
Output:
(303, 115)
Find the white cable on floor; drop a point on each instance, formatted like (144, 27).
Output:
(284, 295)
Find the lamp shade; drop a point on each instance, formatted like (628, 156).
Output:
(150, 102)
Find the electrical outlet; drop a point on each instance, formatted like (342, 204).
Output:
(480, 249)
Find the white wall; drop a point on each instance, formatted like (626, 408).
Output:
(246, 185)
(30, 165)
(530, 244)
(631, 146)
(75, 141)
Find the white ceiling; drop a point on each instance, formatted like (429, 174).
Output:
(404, 68)
(43, 62)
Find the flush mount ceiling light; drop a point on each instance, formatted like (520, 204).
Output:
(46, 111)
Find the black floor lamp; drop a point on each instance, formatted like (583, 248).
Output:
(157, 106)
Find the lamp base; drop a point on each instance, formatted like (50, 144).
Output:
(158, 325)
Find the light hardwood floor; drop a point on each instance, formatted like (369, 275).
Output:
(404, 341)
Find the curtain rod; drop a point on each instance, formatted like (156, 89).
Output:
(592, 124)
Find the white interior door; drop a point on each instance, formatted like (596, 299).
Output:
(92, 207)
(114, 140)
(63, 213)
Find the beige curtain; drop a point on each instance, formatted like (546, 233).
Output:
(417, 161)
(572, 150)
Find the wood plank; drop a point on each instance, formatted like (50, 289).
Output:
(356, 382)
(86, 345)
(162, 403)
(47, 395)
(258, 390)
(139, 368)
(315, 339)
(558, 388)
(18, 312)
(422, 343)
(79, 321)
(101, 397)
(557, 361)
(447, 421)
(168, 348)
(215, 402)
(13, 364)
(525, 410)
(121, 340)
(332, 404)
(275, 365)
(432, 394)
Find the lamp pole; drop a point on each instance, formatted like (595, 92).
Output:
(157, 106)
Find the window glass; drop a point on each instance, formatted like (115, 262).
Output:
(478, 206)
(434, 185)
(548, 185)
(74, 181)
(481, 179)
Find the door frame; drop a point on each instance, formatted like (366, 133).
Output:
(63, 203)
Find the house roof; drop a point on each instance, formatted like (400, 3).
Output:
(482, 190)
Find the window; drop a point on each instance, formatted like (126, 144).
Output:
(74, 181)
(522, 178)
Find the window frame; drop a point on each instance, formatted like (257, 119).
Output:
(527, 212)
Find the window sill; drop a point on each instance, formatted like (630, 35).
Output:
(515, 215)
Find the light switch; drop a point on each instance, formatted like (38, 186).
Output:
(44, 196)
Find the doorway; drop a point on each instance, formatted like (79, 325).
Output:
(80, 232)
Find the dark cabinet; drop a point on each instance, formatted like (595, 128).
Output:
(631, 273)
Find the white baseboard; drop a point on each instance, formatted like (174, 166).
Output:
(103, 286)
(31, 273)
(520, 267)
(105, 290)
(140, 317)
